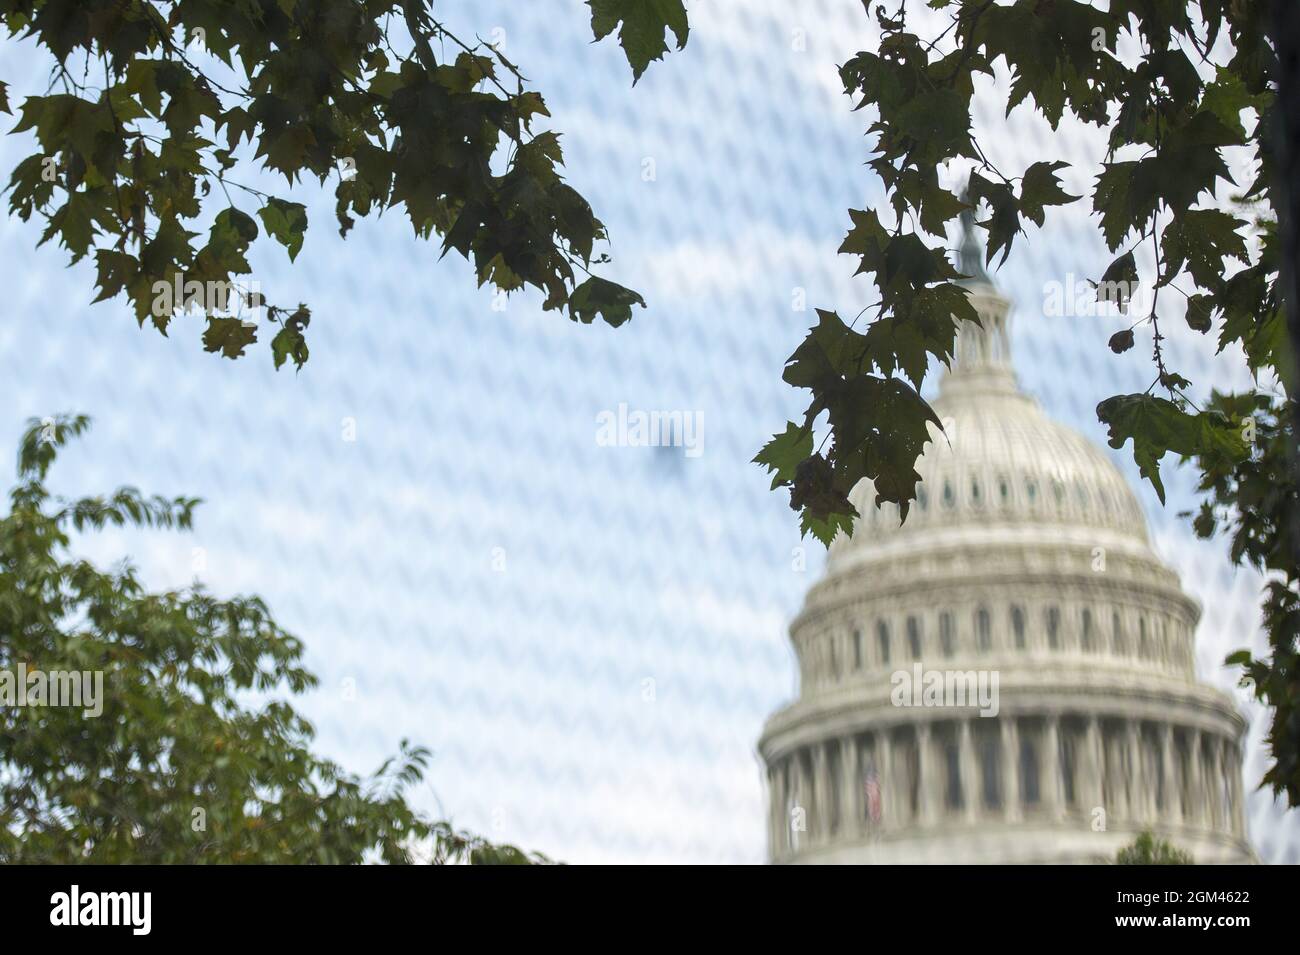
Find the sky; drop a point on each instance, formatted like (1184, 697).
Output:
(588, 637)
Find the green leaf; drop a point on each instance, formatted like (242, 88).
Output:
(1118, 284)
(1200, 312)
(287, 222)
(644, 28)
(1040, 187)
(784, 453)
(1121, 341)
(939, 117)
(1157, 426)
(116, 270)
(597, 296)
(289, 341)
(1003, 223)
(229, 336)
(824, 504)
(1203, 239)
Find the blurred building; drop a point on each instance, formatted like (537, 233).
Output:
(1007, 677)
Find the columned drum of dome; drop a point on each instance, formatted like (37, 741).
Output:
(1007, 677)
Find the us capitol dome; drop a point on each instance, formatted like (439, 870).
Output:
(1024, 568)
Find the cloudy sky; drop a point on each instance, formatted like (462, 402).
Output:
(588, 637)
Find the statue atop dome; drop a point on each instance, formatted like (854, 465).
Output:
(970, 253)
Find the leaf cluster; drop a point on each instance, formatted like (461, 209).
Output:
(182, 764)
(155, 108)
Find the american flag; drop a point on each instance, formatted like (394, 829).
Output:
(872, 788)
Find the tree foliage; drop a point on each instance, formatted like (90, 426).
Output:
(1197, 80)
(156, 111)
(1147, 849)
(1170, 114)
(179, 765)
(1254, 503)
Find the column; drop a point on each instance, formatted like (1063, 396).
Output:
(1053, 797)
(1172, 810)
(1117, 774)
(1238, 796)
(1195, 779)
(1147, 774)
(781, 812)
(1010, 766)
(820, 824)
(971, 790)
(1095, 758)
(1151, 754)
(789, 798)
(1216, 784)
(1136, 781)
(891, 815)
(927, 777)
(772, 803)
(1226, 785)
(851, 790)
(796, 797)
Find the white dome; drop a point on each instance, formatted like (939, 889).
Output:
(1024, 563)
(998, 463)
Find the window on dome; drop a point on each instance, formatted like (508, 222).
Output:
(1081, 493)
(1144, 647)
(1018, 626)
(922, 499)
(1058, 491)
(983, 636)
(945, 633)
(857, 649)
(949, 499)
(1031, 490)
(975, 490)
(1087, 631)
(1054, 628)
(1117, 635)
(882, 641)
(914, 637)
(1004, 490)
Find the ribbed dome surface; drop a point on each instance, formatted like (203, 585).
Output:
(999, 461)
